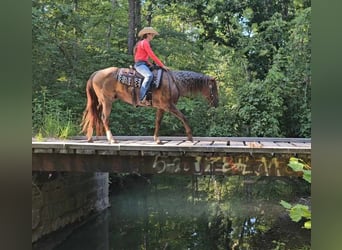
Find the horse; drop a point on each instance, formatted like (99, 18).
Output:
(103, 88)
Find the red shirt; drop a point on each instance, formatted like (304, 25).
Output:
(144, 51)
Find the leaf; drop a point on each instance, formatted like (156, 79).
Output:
(307, 224)
(299, 165)
(295, 216)
(285, 204)
(307, 175)
(298, 211)
(296, 166)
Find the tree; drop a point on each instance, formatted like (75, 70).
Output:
(134, 23)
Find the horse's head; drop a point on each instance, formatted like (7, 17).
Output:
(212, 92)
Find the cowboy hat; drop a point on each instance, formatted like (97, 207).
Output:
(147, 30)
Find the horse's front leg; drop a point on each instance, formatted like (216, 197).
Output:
(173, 110)
(107, 107)
(159, 117)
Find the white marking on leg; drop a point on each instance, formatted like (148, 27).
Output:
(109, 135)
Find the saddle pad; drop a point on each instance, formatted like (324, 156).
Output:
(132, 78)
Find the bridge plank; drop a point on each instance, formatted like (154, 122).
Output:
(234, 143)
(204, 143)
(128, 141)
(284, 144)
(133, 143)
(268, 144)
(188, 143)
(171, 142)
(301, 144)
(254, 144)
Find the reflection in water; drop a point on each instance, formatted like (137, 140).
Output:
(190, 212)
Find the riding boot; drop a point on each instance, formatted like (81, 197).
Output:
(149, 95)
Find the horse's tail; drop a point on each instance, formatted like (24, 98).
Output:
(92, 113)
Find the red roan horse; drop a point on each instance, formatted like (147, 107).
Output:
(103, 88)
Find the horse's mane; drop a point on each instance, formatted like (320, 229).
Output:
(190, 81)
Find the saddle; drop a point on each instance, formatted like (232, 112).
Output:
(132, 78)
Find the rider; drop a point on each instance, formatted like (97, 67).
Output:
(142, 53)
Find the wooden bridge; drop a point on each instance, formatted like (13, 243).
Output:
(204, 156)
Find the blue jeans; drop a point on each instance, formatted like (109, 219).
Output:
(143, 69)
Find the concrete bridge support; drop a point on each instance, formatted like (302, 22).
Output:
(60, 198)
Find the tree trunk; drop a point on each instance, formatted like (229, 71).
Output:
(134, 23)
(110, 27)
(149, 14)
(137, 17)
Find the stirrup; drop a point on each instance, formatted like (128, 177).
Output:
(146, 102)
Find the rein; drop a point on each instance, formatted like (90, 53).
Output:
(168, 80)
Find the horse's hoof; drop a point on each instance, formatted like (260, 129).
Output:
(157, 140)
(90, 140)
(113, 141)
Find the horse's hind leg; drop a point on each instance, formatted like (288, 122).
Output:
(107, 107)
(159, 117)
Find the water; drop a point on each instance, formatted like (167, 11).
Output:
(189, 212)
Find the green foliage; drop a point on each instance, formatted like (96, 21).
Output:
(299, 211)
(127, 120)
(260, 108)
(299, 165)
(50, 118)
(294, 58)
(56, 126)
